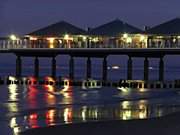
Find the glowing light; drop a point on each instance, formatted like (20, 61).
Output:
(32, 121)
(60, 41)
(33, 116)
(125, 35)
(83, 113)
(129, 40)
(95, 39)
(13, 37)
(143, 112)
(16, 130)
(13, 122)
(125, 90)
(50, 115)
(84, 37)
(67, 115)
(12, 78)
(12, 107)
(126, 114)
(67, 37)
(115, 67)
(13, 92)
(151, 68)
(174, 40)
(51, 40)
(33, 38)
(125, 104)
(142, 38)
(142, 90)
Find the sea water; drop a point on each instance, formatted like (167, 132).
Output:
(25, 107)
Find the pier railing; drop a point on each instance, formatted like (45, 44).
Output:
(25, 44)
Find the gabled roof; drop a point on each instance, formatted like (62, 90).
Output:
(114, 28)
(171, 27)
(58, 29)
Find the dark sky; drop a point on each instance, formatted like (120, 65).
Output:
(24, 16)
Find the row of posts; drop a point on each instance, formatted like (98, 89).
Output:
(146, 69)
(89, 68)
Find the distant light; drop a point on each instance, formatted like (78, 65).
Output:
(151, 68)
(115, 67)
(108, 68)
(13, 37)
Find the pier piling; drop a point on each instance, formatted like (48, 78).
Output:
(161, 69)
(53, 67)
(104, 69)
(129, 69)
(71, 68)
(88, 68)
(18, 66)
(146, 69)
(36, 67)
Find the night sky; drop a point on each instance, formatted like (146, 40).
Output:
(23, 16)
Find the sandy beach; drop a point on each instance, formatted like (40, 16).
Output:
(167, 125)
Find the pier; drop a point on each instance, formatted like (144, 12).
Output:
(113, 38)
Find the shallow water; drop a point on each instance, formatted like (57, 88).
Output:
(24, 107)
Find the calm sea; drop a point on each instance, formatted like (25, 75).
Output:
(24, 107)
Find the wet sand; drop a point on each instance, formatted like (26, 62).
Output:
(167, 125)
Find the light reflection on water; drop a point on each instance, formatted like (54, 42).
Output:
(40, 106)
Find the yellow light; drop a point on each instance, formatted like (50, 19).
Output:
(84, 37)
(126, 114)
(13, 37)
(51, 40)
(142, 38)
(13, 122)
(66, 37)
(125, 104)
(12, 78)
(33, 38)
(83, 113)
(125, 35)
(125, 90)
(95, 39)
(129, 40)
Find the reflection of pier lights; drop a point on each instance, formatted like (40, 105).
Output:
(104, 69)
(88, 68)
(129, 69)
(71, 68)
(18, 66)
(53, 67)
(161, 69)
(146, 69)
(36, 67)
